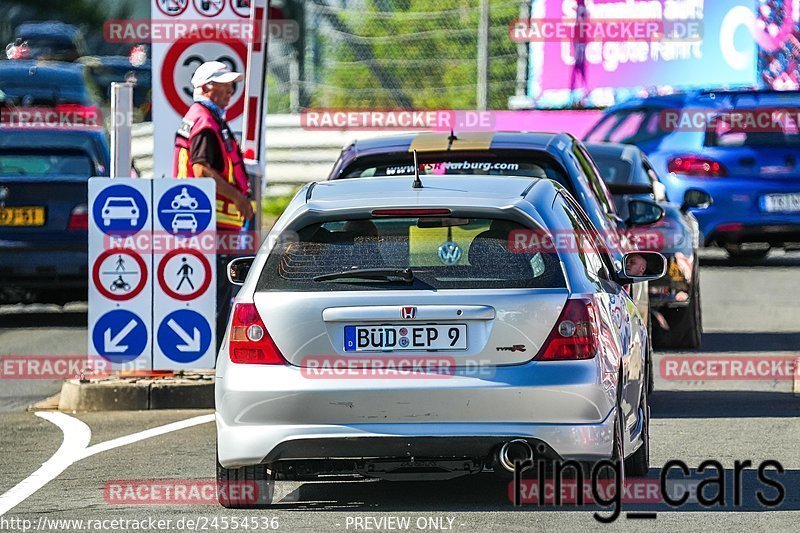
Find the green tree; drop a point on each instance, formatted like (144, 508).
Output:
(389, 53)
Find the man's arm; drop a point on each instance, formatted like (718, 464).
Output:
(225, 189)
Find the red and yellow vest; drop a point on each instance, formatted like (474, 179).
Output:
(197, 119)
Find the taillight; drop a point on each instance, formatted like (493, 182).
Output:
(79, 218)
(575, 335)
(250, 342)
(692, 165)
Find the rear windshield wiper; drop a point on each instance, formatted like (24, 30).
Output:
(388, 274)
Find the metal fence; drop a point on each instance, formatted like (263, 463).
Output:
(448, 54)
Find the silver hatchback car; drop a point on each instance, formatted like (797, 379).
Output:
(397, 330)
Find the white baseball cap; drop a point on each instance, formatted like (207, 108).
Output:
(214, 72)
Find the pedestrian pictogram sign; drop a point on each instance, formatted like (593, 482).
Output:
(152, 296)
(119, 274)
(185, 275)
(120, 279)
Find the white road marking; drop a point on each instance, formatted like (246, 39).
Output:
(75, 447)
(146, 434)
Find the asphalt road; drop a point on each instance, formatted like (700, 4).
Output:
(749, 311)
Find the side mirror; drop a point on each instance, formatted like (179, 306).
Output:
(238, 269)
(642, 266)
(694, 199)
(644, 213)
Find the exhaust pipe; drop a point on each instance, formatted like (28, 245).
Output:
(513, 452)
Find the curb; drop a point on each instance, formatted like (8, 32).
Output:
(195, 391)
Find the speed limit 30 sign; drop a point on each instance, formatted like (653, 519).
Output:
(217, 31)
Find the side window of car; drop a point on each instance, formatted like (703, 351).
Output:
(594, 261)
(595, 181)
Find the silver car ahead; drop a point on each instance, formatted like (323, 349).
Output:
(400, 330)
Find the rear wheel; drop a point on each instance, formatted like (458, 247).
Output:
(618, 451)
(638, 464)
(248, 487)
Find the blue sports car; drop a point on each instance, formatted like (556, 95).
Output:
(712, 149)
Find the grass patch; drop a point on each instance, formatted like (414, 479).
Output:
(274, 206)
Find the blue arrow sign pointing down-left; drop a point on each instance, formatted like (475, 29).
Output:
(120, 336)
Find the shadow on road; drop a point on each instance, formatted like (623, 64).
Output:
(486, 492)
(780, 261)
(723, 404)
(751, 342)
(44, 320)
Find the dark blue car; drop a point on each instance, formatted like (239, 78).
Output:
(742, 178)
(559, 157)
(675, 298)
(44, 176)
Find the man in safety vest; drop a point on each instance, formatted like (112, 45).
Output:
(206, 147)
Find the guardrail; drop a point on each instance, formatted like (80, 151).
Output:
(294, 155)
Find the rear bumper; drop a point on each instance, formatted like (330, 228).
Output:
(736, 215)
(44, 265)
(776, 235)
(267, 414)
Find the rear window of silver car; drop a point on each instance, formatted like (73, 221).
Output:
(441, 253)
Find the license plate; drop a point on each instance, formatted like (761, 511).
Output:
(21, 216)
(405, 337)
(781, 203)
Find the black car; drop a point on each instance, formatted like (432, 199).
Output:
(44, 176)
(63, 87)
(675, 298)
(560, 157)
(105, 70)
(52, 40)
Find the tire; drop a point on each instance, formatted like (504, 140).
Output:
(618, 452)
(735, 252)
(248, 487)
(638, 464)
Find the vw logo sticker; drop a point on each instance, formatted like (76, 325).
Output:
(450, 253)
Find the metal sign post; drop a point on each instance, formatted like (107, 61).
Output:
(121, 129)
(254, 134)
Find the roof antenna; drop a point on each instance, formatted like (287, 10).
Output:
(452, 136)
(417, 182)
